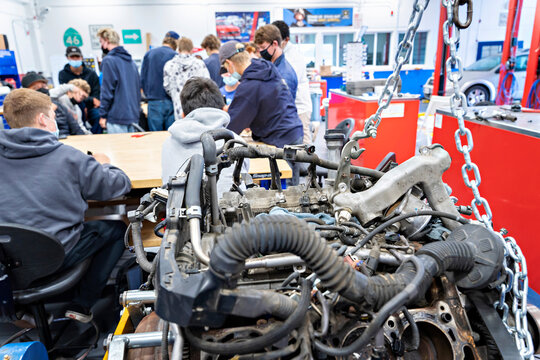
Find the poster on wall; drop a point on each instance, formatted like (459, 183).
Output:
(93, 30)
(302, 17)
(240, 26)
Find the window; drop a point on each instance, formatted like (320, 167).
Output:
(329, 49)
(306, 44)
(418, 54)
(521, 62)
(378, 48)
(343, 40)
(485, 64)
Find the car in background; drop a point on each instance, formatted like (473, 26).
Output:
(227, 31)
(481, 79)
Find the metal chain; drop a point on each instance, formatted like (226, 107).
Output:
(515, 266)
(402, 57)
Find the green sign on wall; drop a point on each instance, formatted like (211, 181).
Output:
(72, 38)
(132, 36)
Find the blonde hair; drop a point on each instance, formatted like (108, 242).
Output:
(172, 42)
(241, 58)
(22, 106)
(185, 45)
(110, 35)
(81, 84)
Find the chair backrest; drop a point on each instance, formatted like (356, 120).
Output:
(29, 254)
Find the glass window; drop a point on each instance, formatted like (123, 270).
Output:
(485, 64)
(329, 50)
(521, 62)
(369, 40)
(419, 48)
(343, 40)
(306, 44)
(383, 49)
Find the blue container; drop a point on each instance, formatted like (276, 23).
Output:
(24, 351)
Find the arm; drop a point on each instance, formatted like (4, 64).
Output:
(203, 70)
(62, 78)
(242, 110)
(101, 182)
(144, 73)
(61, 90)
(110, 81)
(167, 77)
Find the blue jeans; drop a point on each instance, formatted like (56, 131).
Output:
(103, 240)
(160, 114)
(118, 128)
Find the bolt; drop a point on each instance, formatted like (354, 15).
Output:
(503, 232)
(344, 216)
(342, 187)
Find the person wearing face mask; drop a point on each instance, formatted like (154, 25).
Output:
(121, 87)
(77, 92)
(67, 124)
(230, 86)
(262, 102)
(46, 185)
(75, 69)
(268, 42)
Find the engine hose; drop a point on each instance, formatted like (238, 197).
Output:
(165, 341)
(386, 224)
(158, 227)
(301, 156)
(193, 186)
(376, 324)
(142, 260)
(415, 333)
(281, 233)
(253, 345)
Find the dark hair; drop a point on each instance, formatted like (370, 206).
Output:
(211, 42)
(267, 33)
(200, 92)
(283, 29)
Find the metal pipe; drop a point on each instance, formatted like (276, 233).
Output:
(137, 296)
(195, 234)
(178, 343)
(290, 260)
(140, 340)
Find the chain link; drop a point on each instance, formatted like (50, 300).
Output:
(516, 283)
(392, 83)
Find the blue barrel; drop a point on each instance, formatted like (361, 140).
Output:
(24, 351)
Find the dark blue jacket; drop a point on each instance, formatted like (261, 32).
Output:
(152, 72)
(264, 104)
(213, 65)
(46, 184)
(121, 88)
(287, 72)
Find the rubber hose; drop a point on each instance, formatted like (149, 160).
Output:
(165, 341)
(253, 345)
(282, 233)
(208, 140)
(415, 333)
(139, 248)
(194, 181)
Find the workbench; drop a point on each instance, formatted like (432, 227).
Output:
(139, 156)
(507, 154)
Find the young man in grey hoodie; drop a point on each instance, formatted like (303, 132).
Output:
(45, 184)
(202, 105)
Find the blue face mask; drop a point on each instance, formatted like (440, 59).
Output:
(230, 80)
(75, 63)
(56, 132)
(236, 76)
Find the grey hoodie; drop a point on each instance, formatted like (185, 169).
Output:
(45, 184)
(185, 142)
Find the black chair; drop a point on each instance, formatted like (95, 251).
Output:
(29, 261)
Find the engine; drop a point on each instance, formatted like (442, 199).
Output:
(367, 264)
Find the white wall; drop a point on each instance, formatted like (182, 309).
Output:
(195, 19)
(15, 24)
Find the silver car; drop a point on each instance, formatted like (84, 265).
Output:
(481, 79)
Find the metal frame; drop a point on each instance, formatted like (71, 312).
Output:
(534, 53)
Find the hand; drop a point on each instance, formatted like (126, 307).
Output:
(102, 158)
(97, 103)
(103, 122)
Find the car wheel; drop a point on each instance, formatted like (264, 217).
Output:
(476, 94)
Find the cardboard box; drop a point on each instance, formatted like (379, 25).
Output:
(4, 45)
(326, 70)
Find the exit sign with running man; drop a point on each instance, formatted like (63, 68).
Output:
(132, 36)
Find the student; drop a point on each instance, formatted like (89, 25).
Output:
(303, 95)
(160, 106)
(45, 184)
(75, 69)
(77, 90)
(262, 101)
(67, 124)
(178, 70)
(212, 44)
(120, 90)
(203, 106)
(229, 89)
(268, 41)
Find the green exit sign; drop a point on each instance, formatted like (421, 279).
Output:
(132, 36)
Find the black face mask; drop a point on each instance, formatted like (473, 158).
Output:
(73, 101)
(104, 50)
(266, 55)
(43, 91)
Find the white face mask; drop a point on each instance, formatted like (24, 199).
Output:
(55, 132)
